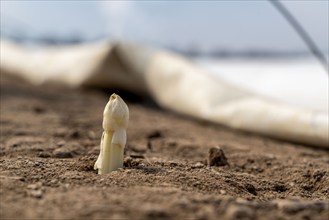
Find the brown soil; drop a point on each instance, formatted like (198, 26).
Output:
(50, 140)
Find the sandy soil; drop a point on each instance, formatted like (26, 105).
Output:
(50, 140)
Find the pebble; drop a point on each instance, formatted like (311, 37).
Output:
(53, 181)
(198, 165)
(35, 193)
(62, 153)
(35, 186)
(155, 134)
(216, 157)
(91, 135)
(172, 163)
(223, 192)
(44, 155)
(35, 190)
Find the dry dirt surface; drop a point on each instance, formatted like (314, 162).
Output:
(50, 140)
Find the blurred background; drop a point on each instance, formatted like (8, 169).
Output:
(197, 27)
(248, 43)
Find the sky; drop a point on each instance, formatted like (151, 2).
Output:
(232, 25)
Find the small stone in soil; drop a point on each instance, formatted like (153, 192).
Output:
(35, 193)
(216, 157)
(91, 135)
(62, 153)
(35, 186)
(44, 155)
(154, 135)
(198, 165)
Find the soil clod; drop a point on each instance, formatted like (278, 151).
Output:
(44, 155)
(155, 134)
(216, 157)
(130, 162)
(62, 153)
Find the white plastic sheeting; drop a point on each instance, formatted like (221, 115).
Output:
(173, 82)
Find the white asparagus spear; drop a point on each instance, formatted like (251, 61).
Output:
(115, 122)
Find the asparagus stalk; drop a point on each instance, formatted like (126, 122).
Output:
(115, 122)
